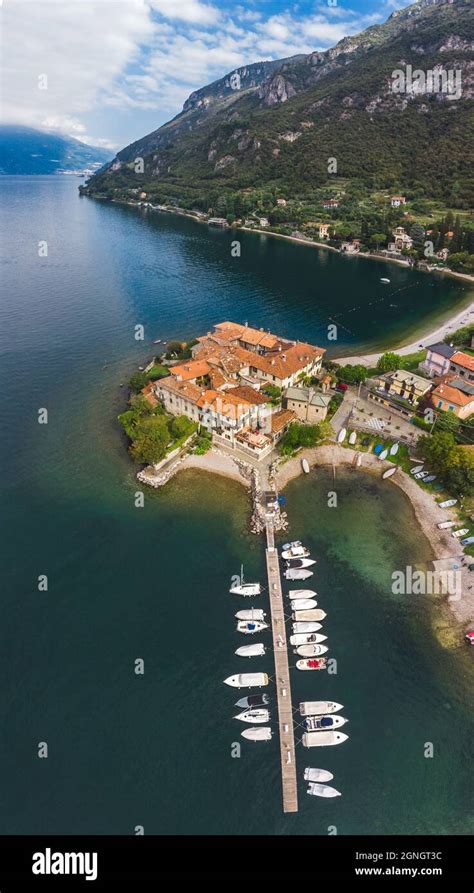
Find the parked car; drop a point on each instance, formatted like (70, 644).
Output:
(470, 636)
(341, 386)
(467, 541)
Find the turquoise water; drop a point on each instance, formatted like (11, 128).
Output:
(151, 583)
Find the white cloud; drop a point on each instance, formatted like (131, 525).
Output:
(187, 11)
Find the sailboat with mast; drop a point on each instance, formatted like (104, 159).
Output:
(243, 588)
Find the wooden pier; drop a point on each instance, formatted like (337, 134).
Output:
(282, 675)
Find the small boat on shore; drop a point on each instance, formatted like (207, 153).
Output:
(323, 739)
(301, 593)
(306, 627)
(421, 475)
(314, 708)
(388, 473)
(251, 614)
(312, 663)
(315, 723)
(311, 650)
(249, 627)
(258, 716)
(295, 552)
(383, 454)
(352, 437)
(261, 733)
(246, 680)
(251, 701)
(304, 604)
(461, 532)
(256, 650)
(443, 525)
(394, 449)
(416, 469)
(322, 790)
(305, 466)
(296, 573)
(307, 639)
(429, 479)
(342, 435)
(315, 614)
(317, 774)
(300, 562)
(447, 504)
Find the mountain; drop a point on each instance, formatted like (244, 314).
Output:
(24, 150)
(276, 125)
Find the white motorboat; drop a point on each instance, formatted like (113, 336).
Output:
(243, 588)
(322, 790)
(300, 562)
(443, 525)
(261, 733)
(311, 650)
(383, 454)
(306, 627)
(249, 627)
(386, 281)
(314, 708)
(342, 435)
(307, 639)
(461, 532)
(247, 680)
(448, 503)
(301, 593)
(315, 614)
(311, 663)
(297, 574)
(304, 604)
(324, 723)
(292, 545)
(258, 716)
(295, 552)
(317, 774)
(305, 466)
(421, 475)
(256, 650)
(251, 614)
(323, 739)
(388, 473)
(394, 449)
(352, 437)
(416, 469)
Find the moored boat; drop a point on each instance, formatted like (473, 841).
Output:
(246, 680)
(295, 552)
(258, 715)
(416, 469)
(307, 639)
(388, 473)
(303, 604)
(301, 593)
(305, 466)
(243, 588)
(311, 663)
(314, 708)
(297, 574)
(250, 701)
(249, 627)
(251, 614)
(292, 545)
(323, 739)
(256, 650)
(322, 790)
(300, 562)
(260, 733)
(447, 503)
(305, 626)
(310, 650)
(324, 723)
(315, 614)
(317, 774)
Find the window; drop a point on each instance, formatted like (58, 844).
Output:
(451, 408)
(440, 404)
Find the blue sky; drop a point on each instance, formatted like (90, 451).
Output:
(117, 69)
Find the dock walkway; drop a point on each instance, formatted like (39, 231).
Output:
(282, 674)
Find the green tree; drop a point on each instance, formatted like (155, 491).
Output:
(447, 421)
(137, 382)
(376, 239)
(439, 450)
(389, 362)
(353, 374)
(180, 426)
(150, 440)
